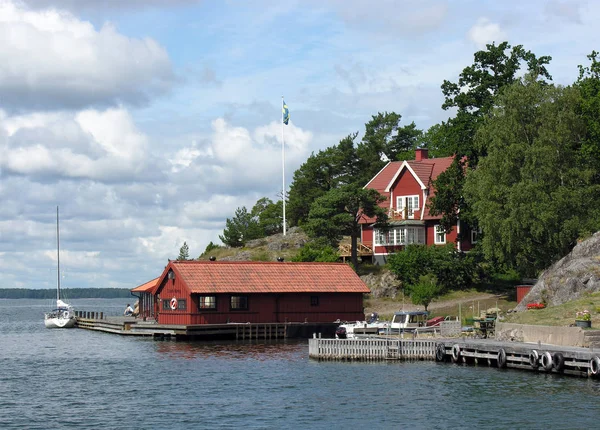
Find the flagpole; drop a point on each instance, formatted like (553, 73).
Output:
(283, 164)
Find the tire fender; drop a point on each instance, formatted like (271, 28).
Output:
(501, 358)
(559, 361)
(547, 362)
(455, 352)
(534, 359)
(595, 366)
(440, 352)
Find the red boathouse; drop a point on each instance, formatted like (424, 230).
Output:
(218, 292)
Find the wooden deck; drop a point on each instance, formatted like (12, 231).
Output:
(526, 356)
(131, 326)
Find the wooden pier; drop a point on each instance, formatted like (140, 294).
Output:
(131, 326)
(526, 356)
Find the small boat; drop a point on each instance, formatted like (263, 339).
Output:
(356, 329)
(64, 315)
(408, 321)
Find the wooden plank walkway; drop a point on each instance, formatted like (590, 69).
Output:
(527, 356)
(131, 326)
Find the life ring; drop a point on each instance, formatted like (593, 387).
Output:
(559, 361)
(547, 363)
(455, 352)
(595, 366)
(501, 358)
(440, 352)
(534, 358)
(173, 304)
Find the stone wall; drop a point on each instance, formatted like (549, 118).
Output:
(564, 336)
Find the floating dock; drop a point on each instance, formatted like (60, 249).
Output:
(526, 356)
(131, 326)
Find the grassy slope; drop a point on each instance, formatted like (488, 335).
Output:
(471, 301)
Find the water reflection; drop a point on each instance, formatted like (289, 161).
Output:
(283, 350)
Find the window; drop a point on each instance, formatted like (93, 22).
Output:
(407, 205)
(181, 305)
(440, 235)
(239, 303)
(207, 302)
(475, 236)
(399, 236)
(314, 300)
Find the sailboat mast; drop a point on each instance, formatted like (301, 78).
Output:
(57, 257)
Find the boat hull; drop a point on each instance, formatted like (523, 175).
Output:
(54, 322)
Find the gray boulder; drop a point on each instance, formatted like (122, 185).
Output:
(569, 278)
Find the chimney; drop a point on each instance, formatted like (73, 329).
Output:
(421, 154)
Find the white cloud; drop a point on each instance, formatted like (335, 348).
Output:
(486, 31)
(99, 145)
(50, 58)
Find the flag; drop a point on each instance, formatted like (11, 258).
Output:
(286, 113)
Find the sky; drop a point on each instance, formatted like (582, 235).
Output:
(148, 122)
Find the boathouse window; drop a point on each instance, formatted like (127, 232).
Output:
(207, 302)
(166, 305)
(314, 300)
(181, 304)
(474, 236)
(440, 235)
(239, 303)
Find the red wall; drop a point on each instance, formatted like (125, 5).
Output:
(264, 308)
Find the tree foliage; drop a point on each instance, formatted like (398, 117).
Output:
(338, 213)
(269, 216)
(240, 229)
(473, 97)
(452, 269)
(184, 252)
(425, 290)
(532, 194)
(317, 250)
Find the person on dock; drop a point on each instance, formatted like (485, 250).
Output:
(128, 311)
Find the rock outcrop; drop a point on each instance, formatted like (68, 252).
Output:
(384, 284)
(569, 278)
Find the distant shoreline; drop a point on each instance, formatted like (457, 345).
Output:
(69, 293)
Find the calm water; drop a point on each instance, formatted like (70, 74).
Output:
(69, 379)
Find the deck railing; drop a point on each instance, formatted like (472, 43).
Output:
(372, 349)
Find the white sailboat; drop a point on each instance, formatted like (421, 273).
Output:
(64, 314)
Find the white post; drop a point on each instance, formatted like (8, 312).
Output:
(283, 165)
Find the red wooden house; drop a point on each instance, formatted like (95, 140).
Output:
(218, 292)
(408, 187)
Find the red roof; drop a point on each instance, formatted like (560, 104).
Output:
(147, 287)
(215, 277)
(426, 170)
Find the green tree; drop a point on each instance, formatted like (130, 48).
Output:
(473, 97)
(588, 84)
(531, 194)
(269, 216)
(184, 252)
(452, 269)
(210, 247)
(313, 179)
(425, 290)
(317, 250)
(240, 229)
(338, 213)
(384, 136)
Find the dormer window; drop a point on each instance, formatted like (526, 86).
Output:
(406, 206)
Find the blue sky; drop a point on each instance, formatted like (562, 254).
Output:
(150, 121)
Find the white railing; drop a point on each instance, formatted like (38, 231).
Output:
(371, 349)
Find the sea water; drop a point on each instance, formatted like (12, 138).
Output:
(80, 379)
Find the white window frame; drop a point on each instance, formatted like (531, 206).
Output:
(439, 237)
(474, 236)
(399, 236)
(403, 201)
